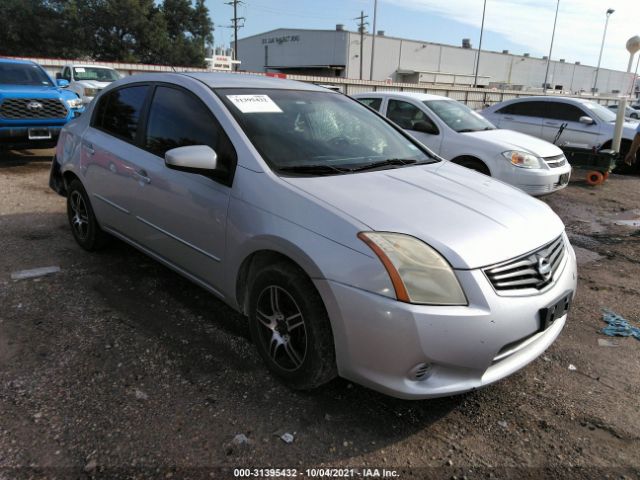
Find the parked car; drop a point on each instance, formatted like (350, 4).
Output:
(629, 113)
(33, 108)
(457, 133)
(87, 80)
(589, 124)
(351, 248)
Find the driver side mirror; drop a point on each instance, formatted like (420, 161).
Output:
(192, 159)
(62, 83)
(425, 127)
(586, 120)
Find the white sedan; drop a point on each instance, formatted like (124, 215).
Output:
(457, 133)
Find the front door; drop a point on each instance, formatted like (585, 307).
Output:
(182, 216)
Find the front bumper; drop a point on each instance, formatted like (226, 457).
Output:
(18, 137)
(380, 342)
(542, 181)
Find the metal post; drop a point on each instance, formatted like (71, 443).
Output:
(604, 35)
(475, 78)
(373, 39)
(622, 106)
(553, 34)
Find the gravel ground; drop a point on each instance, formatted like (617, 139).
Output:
(115, 367)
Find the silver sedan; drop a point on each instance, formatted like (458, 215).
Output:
(351, 248)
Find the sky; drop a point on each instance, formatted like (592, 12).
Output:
(516, 25)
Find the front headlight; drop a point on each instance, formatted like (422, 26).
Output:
(91, 92)
(74, 103)
(522, 159)
(418, 273)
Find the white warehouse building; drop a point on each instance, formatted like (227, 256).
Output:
(337, 53)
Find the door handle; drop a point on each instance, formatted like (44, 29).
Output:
(553, 124)
(142, 175)
(89, 148)
(508, 118)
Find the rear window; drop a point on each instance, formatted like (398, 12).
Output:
(118, 112)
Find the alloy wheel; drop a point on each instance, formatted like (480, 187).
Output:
(80, 215)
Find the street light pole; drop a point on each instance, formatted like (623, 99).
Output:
(373, 39)
(604, 35)
(553, 34)
(475, 78)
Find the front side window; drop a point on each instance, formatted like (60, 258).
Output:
(405, 114)
(95, 73)
(374, 103)
(459, 117)
(564, 111)
(118, 112)
(23, 74)
(178, 119)
(66, 74)
(318, 130)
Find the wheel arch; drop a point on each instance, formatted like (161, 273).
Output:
(265, 251)
(461, 158)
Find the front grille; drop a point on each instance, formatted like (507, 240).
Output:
(523, 273)
(32, 108)
(555, 161)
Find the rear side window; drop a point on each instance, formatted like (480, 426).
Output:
(118, 112)
(371, 102)
(528, 109)
(178, 119)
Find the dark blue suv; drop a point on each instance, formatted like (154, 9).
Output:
(33, 108)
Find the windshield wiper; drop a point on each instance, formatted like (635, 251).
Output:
(320, 169)
(384, 163)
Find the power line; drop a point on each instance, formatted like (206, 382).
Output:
(361, 29)
(234, 24)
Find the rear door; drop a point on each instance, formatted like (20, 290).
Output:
(109, 149)
(406, 115)
(525, 117)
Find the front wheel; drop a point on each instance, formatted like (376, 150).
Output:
(82, 219)
(290, 327)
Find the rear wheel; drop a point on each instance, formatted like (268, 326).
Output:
(290, 327)
(82, 220)
(473, 164)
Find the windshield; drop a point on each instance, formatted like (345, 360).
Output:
(310, 133)
(23, 74)
(95, 73)
(458, 116)
(599, 111)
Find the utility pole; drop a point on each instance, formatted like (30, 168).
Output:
(610, 11)
(361, 27)
(235, 26)
(373, 38)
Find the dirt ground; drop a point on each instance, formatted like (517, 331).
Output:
(116, 367)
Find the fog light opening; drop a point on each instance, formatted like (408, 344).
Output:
(421, 371)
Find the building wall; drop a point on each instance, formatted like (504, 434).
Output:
(329, 47)
(292, 48)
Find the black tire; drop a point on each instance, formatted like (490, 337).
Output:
(293, 335)
(473, 164)
(82, 220)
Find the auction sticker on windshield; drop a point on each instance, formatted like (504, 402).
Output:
(254, 103)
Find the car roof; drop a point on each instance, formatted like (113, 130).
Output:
(244, 80)
(83, 65)
(413, 95)
(15, 60)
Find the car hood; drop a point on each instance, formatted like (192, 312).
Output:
(471, 219)
(42, 91)
(510, 140)
(92, 84)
